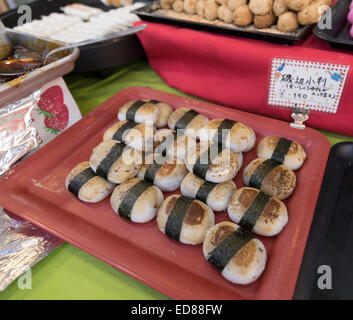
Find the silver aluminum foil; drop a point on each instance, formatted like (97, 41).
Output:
(22, 245)
(18, 135)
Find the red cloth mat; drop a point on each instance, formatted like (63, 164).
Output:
(234, 71)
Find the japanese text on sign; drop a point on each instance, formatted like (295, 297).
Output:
(304, 84)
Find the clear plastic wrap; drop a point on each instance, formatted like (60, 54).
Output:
(22, 245)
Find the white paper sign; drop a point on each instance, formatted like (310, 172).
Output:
(307, 85)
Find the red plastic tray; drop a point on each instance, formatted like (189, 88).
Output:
(35, 190)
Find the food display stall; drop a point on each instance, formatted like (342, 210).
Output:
(260, 88)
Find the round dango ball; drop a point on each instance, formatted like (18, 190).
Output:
(242, 16)
(279, 7)
(225, 14)
(309, 15)
(287, 22)
(297, 5)
(211, 10)
(190, 6)
(260, 7)
(264, 21)
(233, 4)
(178, 6)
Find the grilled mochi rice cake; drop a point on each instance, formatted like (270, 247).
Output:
(149, 111)
(115, 161)
(215, 195)
(136, 200)
(187, 120)
(86, 185)
(164, 172)
(169, 142)
(209, 161)
(258, 212)
(271, 177)
(288, 152)
(239, 256)
(136, 135)
(232, 134)
(184, 219)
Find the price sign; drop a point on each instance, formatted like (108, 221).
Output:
(308, 85)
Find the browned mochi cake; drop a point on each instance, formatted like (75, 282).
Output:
(115, 161)
(215, 195)
(211, 162)
(164, 172)
(137, 200)
(86, 185)
(239, 256)
(256, 211)
(184, 219)
(188, 120)
(232, 134)
(271, 177)
(139, 111)
(146, 111)
(169, 142)
(288, 152)
(136, 135)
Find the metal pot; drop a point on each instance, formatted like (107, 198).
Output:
(5, 44)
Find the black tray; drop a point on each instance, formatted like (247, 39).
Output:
(330, 240)
(147, 13)
(338, 35)
(94, 56)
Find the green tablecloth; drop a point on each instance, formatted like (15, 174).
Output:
(69, 273)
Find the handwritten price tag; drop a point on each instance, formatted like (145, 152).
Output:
(307, 85)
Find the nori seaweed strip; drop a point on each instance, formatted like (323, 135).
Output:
(80, 179)
(131, 111)
(205, 190)
(254, 211)
(131, 197)
(183, 122)
(282, 148)
(176, 217)
(226, 125)
(118, 135)
(113, 155)
(261, 172)
(229, 247)
(152, 169)
(154, 101)
(200, 169)
(165, 144)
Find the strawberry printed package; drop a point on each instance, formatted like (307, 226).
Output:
(35, 120)
(56, 111)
